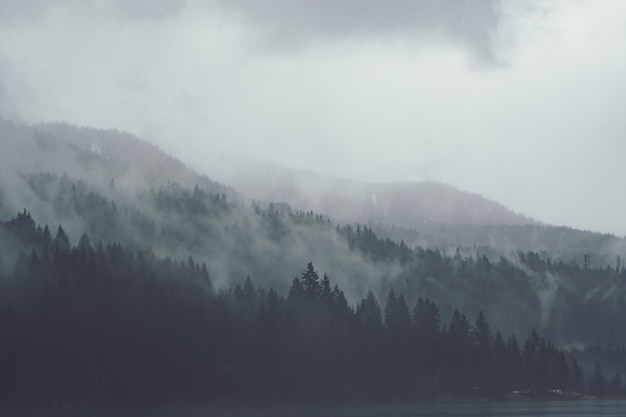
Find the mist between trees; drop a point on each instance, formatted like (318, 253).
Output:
(576, 304)
(117, 316)
(102, 324)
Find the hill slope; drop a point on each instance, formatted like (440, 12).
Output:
(92, 155)
(408, 205)
(68, 182)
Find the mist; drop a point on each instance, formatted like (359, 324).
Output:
(153, 260)
(518, 102)
(177, 176)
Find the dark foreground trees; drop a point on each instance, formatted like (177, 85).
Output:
(99, 324)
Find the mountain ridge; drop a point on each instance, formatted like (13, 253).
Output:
(404, 204)
(95, 155)
(516, 288)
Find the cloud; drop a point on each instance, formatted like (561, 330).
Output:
(364, 89)
(3, 64)
(7, 106)
(154, 9)
(290, 24)
(32, 10)
(286, 25)
(21, 10)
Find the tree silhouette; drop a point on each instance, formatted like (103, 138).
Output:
(100, 323)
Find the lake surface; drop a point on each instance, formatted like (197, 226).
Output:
(579, 408)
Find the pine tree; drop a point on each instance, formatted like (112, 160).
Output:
(483, 356)
(458, 347)
(326, 291)
(427, 323)
(311, 282)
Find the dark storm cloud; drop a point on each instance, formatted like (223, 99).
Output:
(291, 23)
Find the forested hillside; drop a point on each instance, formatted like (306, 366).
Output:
(100, 324)
(142, 249)
(577, 304)
(423, 213)
(407, 205)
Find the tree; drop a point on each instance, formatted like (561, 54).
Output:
(398, 330)
(598, 385)
(577, 378)
(296, 292)
(426, 319)
(326, 291)
(397, 318)
(483, 357)
(534, 359)
(427, 323)
(61, 242)
(500, 366)
(369, 315)
(459, 348)
(515, 364)
(311, 282)
(84, 244)
(248, 290)
(144, 328)
(616, 385)
(370, 343)
(46, 244)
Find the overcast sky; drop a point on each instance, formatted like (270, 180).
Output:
(522, 102)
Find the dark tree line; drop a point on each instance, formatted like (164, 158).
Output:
(585, 302)
(100, 324)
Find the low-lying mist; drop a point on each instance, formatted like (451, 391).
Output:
(116, 188)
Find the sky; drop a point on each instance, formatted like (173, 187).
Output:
(523, 102)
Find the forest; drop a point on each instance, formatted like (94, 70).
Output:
(576, 302)
(126, 277)
(101, 324)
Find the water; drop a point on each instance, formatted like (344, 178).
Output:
(580, 408)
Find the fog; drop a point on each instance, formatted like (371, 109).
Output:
(520, 102)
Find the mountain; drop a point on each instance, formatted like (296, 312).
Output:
(112, 188)
(93, 155)
(102, 160)
(407, 205)
(96, 324)
(426, 214)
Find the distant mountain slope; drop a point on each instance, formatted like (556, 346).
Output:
(427, 214)
(409, 205)
(93, 155)
(517, 291)
(62, 175)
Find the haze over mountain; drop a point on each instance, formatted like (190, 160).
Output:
(117, 188)
(92, 155)
(181, 278)
(424, 213)
(103, 157)
(516, 101)
(416, 165)
(407, 205)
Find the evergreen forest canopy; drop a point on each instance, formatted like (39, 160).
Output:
(101, 324)
(118, 317)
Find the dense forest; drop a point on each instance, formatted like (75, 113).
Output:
(99, 323)
(155, 282)
(577, 303)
